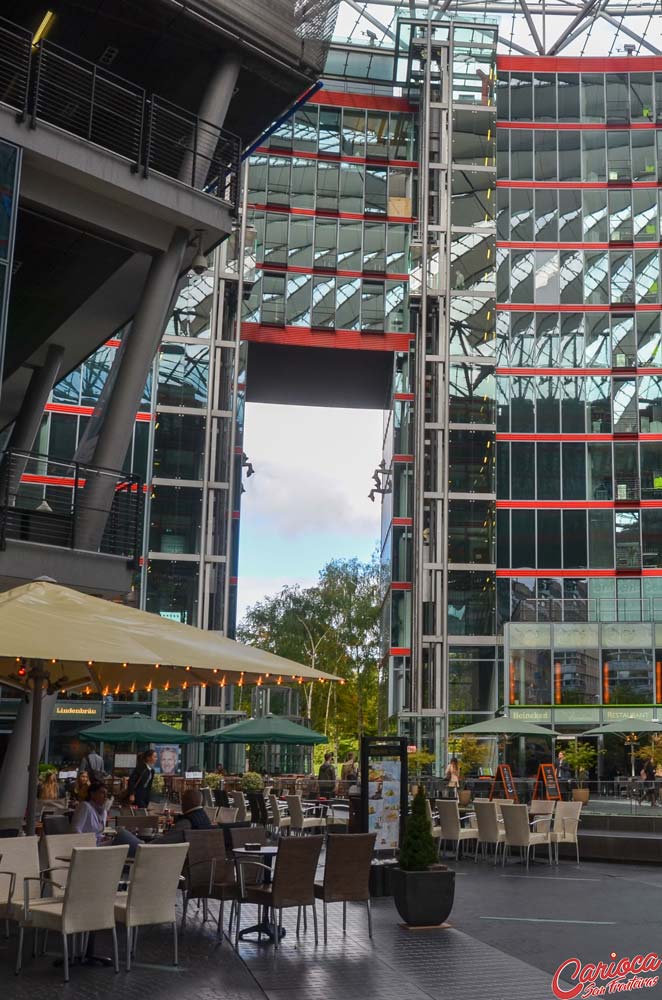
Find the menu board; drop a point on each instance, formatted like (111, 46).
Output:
(384, 789)
(547, 785)
(503, 785)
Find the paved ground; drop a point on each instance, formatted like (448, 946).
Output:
(509, 932)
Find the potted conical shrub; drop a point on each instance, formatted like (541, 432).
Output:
(423, 889)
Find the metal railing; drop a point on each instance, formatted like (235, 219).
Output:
(588, 609)
(42, 501)
(15, 49)
(54, 86)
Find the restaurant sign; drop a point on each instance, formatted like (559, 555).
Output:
(614, 714)
(531, 714)
(78, 711)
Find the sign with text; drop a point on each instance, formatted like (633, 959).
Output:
(547, 784)
(78, 711)
(384, 789)
(503, 785)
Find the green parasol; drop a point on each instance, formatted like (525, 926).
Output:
(267, 729)
(504, 726)
(136, 728)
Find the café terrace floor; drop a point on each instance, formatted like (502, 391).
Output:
(509, 933)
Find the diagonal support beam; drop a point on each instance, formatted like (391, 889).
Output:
(582, 15)
(532, 28)
(620, 26)
(514, 46)
(375, 22)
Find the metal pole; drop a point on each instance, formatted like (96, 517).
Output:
(37, 676)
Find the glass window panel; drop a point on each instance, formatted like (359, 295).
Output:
(644, 211)
(503, 153)
(641, 97)
(471, 603)
(643, 155)
(577, 677)
(523, 535)
(377, 135)
(302, 193)
(399, 192)
(522, 275)
(601, 539)
(353, 132)
(547, 277)
(649, 340)
(472, 200)
(628, 676)
(596, 216)
(305, 129)
(326, 243)
(300, 248)
(348, 303)
(570, 216)
(503, 470)
(544, 93)
(179, 446)
(530, 677)
(473, 139)
(619, 167)
(521, 214)
(374, 247)
(175, 519)
(599, 478)
(618, 99)
(521, 154)
(375, 190)
(372, 306)
(471, 394)
(594, 162)
(598, 340)
(328, 180)
(503, 212)
(67, 390)
(401, 140)
(596, 277)
(522, 398)
(521, 97)
(299, 287)
(278, 180)
(651, 530)
(650, 402)
(503, 275)
(396, 307)
(546, 168)
(647, 276)
(623, 342)
(503, 96)
(324, 302)
(574, 539)
(620, 216)
(471, 531)
(651, 469)
(172, 587)
(571, 276)
(329, 130)
(522, 340)
(183, 374)
(472, 262)
(257, 180)
(598, 405)
(546, 200)
(547, 340)
(628, 539)
(351, 187)
(273, 299)
(548, 470)
(275, 239)
(397, 242)
(472, 461)
(572, 342)
(574, 470)
(568, 97)
(349, 246)
(472, 327)
(523, 460)
(622, 277)
(593, 97)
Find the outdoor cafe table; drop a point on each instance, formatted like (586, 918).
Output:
(266, 854)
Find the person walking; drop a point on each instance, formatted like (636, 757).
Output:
(92, 762)
(141, 778)
(647, 775)
(563, 773)
(453, 776)
(327, 777)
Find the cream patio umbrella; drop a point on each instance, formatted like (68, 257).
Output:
(53, 638)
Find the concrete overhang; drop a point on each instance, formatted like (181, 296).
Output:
(92, 572)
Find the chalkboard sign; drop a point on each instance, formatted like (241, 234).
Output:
(547, 784)
(503, 785)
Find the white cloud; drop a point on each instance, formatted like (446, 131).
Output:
(313, 470)
(252, 589)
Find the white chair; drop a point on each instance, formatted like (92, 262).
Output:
(542, 811)
(435, 828)
(519, 833)
(239, 802)
(298, 822)
(20, 860)
(60, 845)
(152, 892)
(88, 902)
(565, 828)
(451, 827)
(212, 813)
(278, 822)
(490, 831)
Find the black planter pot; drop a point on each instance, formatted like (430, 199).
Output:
(423, 899)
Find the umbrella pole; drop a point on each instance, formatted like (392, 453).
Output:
(37, 675)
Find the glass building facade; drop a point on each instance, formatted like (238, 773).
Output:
(10, 168)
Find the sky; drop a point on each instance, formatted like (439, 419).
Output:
(308, 500)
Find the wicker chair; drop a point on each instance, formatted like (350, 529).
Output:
(293, 882)
(347, 873)
(258, 807)
(209, 873)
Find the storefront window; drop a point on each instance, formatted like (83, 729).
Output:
(530, 677)
(627, 676)
(577, 677)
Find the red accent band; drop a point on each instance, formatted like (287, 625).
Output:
(399, 651)
(401, 586)
(86, 411)
(577, 126)
(323, 272)
(583, 64)
(516, 573)
(325, 213)
(578, 307)
(573, 185)
(304, 336)
(370, 102)
(616, 245)
(374, 161)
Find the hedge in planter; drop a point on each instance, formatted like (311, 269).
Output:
(423, 889)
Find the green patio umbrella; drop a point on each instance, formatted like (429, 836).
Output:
(504, 726)
(136, 728)
(625, 727)
(267, 729)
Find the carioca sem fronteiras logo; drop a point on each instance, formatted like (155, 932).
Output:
(620, 975)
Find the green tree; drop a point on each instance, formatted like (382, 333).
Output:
(332, 626)
(418, 850)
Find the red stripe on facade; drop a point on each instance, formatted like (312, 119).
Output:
(403, 458)
(615, 245)
(233, 581)
(572, 504)
(86, 411)
(578, 126)
(374, 161)
(326, 213)
(574, 437)
(405, 522)
(573, 185)
(573, 573)
(327, 272)
(368, 102)
(583, 64)
(304, 336)
(405, 396)
(401, 586)
(578, 307)
(399, 651)
(578, 371)
(113, 342)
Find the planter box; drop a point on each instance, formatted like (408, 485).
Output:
(423, 899)
(580, 795)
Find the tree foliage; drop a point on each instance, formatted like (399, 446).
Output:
(471, 754)
(417, 850)
(332, 626)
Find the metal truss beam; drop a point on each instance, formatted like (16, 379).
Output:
(532, 28)
(584, 12)
(628, 31)
(370, 17)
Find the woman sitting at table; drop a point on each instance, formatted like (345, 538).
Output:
(81, 789)
(91, 816)
(193, 816)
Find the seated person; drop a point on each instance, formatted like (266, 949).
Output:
(193, 816)
(91, 816)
